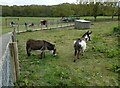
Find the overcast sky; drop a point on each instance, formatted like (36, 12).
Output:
(37, 2)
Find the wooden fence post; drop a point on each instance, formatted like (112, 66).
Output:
(18, 28)
(57, 23)
(14, 58)
(61, 23)
(14, 35)
(41, 26)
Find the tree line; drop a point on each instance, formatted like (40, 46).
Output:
(61, 10)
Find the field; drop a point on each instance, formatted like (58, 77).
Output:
(97, 67)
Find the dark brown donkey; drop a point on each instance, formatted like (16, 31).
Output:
(40, 45)
(80, 44)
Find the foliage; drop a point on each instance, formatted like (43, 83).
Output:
(61, 10)
(29, 30)
(116, 30)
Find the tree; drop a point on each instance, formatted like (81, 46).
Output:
(95, 10)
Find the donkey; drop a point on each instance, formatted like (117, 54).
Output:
(80, 44)
(40, 45)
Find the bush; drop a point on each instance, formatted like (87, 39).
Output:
(116, 68)
(29, 30)
(112, 53)
(116, 29)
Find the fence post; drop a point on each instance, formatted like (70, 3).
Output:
(13, 35)
(41, 26)
(18, 28)
(61, 23)
(57, 23)
(14, 58)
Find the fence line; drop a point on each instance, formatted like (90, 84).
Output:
(50, 25)
(6, 69)
(9, 66)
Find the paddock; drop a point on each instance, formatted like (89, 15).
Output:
(96, 67)
(91, 69)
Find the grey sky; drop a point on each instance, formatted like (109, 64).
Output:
(37, 2)
(46, 2)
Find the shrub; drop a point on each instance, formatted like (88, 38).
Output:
(29, 30)
(116, 68)
(112, 53)
(116, 30)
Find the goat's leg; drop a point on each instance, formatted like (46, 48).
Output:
(82, 52)
(75, 53)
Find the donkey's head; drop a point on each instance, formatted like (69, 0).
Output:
(51, 47)
(54, 51)
(86, 36)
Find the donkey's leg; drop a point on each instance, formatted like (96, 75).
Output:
(78, 54)
(28, 52)
(41, 55)
(75, 53)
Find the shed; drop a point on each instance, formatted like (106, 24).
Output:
(82, 24)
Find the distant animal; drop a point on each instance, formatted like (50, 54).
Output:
(30, 25)
(80, 44)
(26, 24)
(43, 22)
(41, 45)
(12, 24)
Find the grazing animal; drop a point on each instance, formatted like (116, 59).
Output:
(80, 44)
(43, 22)
(40, 45)
(26, 25)
(12, 24)
(31, 25)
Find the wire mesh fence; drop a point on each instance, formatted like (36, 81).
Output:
(9, 64)
(6, 69)
(7, 79)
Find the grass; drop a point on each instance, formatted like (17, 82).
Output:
(94, 68)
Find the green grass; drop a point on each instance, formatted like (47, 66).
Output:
(95, 68)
